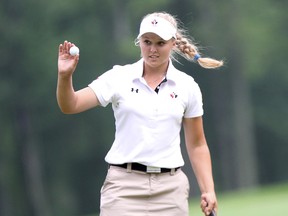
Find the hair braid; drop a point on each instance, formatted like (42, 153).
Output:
(185, 46)
(187, 49)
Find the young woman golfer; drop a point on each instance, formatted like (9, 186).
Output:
(151, 100)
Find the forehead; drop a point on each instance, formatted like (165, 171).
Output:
(152, 36)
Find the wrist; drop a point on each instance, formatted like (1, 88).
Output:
(64, 76)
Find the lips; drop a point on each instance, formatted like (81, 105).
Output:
(153, 56)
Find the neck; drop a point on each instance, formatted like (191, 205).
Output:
(159, 71)
(154, 75)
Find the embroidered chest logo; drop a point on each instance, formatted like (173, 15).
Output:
(134, 90)
(173, 95)
(154, 22)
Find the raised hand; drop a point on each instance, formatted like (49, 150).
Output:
(66, 62)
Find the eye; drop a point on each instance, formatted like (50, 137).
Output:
(147, 42)
(161, 43)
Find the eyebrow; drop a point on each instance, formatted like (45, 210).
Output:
(158, 39)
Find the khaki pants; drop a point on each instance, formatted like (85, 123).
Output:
(126, 193)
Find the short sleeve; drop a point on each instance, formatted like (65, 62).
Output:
(194, 106)
(104, 87)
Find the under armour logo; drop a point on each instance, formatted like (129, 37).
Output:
(136, 90)
(173, 95)
(154, 22)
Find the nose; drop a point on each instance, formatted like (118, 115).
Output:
(153, 48)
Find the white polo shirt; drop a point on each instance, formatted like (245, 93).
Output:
(147, 123)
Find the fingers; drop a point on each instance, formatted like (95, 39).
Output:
(204, 204)
(208, 203)
(65, 47)
(66, 63)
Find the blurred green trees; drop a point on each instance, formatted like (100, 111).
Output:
(53, 164)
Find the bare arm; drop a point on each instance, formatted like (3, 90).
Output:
(200, 159)
(70, 101)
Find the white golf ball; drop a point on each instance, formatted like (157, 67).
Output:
(74, 51)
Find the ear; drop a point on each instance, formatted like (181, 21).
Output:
(174, 42)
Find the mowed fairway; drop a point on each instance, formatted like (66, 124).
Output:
(266, 201)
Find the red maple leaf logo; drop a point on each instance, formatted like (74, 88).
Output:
(154, 22)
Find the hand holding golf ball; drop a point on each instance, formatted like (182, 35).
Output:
(74, 50)
(68, 58)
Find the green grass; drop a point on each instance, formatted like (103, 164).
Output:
(266, 201)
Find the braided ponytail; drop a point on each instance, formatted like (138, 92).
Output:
(189, 51)
(185, 47)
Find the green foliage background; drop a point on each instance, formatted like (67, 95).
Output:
(53, 164)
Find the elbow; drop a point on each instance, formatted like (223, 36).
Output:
(67, 112)
(65, 109)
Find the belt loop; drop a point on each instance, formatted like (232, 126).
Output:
(172, 172)
(129, 167)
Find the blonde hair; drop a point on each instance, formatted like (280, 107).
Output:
(185, 46)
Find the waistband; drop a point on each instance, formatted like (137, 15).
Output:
(144, 168)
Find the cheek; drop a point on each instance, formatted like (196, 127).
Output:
(143, 50)
(166, 52)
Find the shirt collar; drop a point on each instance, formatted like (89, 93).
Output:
(139, 66)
